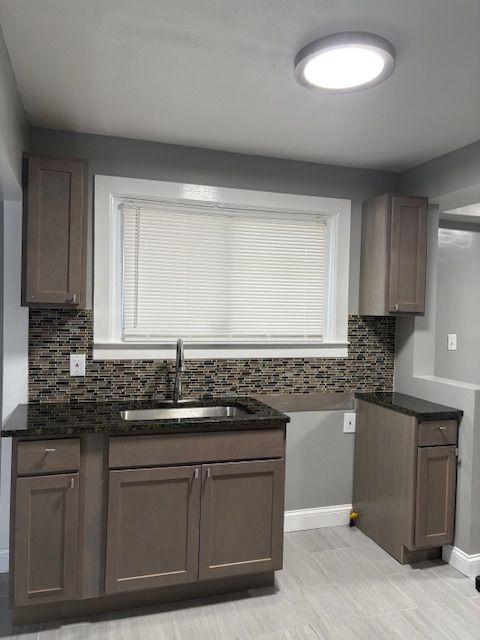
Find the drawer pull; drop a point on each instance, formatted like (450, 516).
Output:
(72, 483)
(196, 473)
(49, 450)
(442, 428)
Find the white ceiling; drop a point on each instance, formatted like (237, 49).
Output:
(219, 74)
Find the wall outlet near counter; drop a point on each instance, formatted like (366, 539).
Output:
(451, 341)
(77, 364)
(349, 422)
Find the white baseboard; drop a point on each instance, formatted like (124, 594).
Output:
(317, 517)
(461, 561)
(3, 560)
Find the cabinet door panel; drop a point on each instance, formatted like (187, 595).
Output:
(435, 496)
(55, 233)
(242, 518)
(408, 251)
(45, 539)
(153, 522)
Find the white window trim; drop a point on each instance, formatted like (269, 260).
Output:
(111, 191)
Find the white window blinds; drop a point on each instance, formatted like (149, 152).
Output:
(212, 275)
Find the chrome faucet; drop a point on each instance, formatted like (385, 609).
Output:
(179, 369)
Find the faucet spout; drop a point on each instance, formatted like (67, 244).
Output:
(179, 369)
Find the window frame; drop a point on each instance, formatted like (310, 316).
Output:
(111, 191)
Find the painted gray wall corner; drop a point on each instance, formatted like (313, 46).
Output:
(319, 460)
(13, 130)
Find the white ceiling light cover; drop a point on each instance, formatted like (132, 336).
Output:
(345, 62)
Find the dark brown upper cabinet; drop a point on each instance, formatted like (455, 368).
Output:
(393, 256)
(54, 233)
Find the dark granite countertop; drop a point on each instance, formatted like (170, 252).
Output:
(56, 420)
(421, 409)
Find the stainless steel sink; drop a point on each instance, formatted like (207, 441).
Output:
(173, 413)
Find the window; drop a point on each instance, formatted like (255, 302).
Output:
(232, 278)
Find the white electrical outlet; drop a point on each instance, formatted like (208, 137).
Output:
(77, 364)
(349, 422)
(452, 341)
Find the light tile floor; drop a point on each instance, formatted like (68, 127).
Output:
(336, 585)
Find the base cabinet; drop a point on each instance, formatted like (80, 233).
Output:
(241, 518)
(152, 537)
(45, 544)
(404, 481)
(102, 522)
(179, 524)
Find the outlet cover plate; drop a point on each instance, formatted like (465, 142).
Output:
(77, 364)
(349, 422)
(451, 341)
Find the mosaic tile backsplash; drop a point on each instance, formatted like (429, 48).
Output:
(54, 334)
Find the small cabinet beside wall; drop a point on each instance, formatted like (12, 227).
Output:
(54, 232)
(393, 256)
(404, 486)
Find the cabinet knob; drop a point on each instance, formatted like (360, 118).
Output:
(72, 299)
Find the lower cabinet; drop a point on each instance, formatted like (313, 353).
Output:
(152, 536)
(242, 518)
(176, 525)
(435, 499)
(89, 521)
(45, 541)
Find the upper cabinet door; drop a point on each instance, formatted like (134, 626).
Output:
(408, 252)
(152, 531)
(241, 527)
(54, 236)
(45, 532)
(393, 256)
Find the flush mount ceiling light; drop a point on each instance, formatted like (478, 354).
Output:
(345, 62)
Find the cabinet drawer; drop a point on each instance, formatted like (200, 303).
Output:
(158, 450)
(434, 433)
(48, 456)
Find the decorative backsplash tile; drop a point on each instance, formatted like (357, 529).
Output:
(54, 334)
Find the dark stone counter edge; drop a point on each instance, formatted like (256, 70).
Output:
(57, 420)
(411, 406)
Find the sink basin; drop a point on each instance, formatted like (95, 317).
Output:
(174, 413)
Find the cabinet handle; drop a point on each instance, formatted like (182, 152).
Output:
(396, 307)
(49, 450)
(72, 483)
(73, 299)
(196, 474)
(208, 472)
(442, 428)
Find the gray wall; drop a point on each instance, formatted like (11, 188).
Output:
(13, 134)
(13, 130)
(452, 181)
(458, 302)
(448, 173)
(319, 462)
(139, 159)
